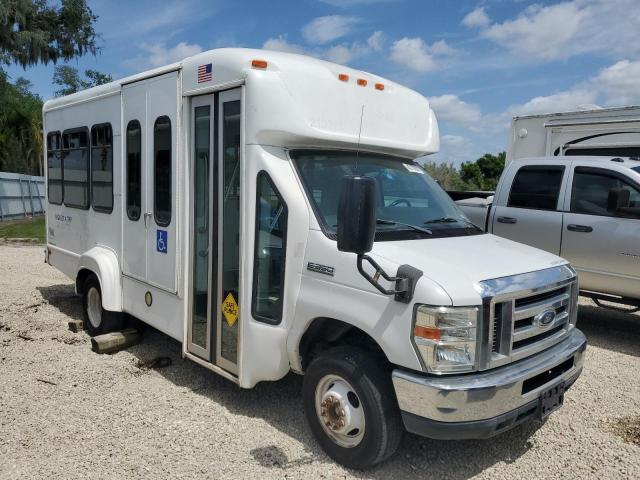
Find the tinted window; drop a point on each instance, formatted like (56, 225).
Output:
(536, 187)
(162, 170)
(592, 195)
(134, 170)
(102, 168)
(54, 168)
(75, 154)
(604, 151)
(269, 262)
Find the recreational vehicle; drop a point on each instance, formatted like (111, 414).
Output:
(612, 132)
(264, 209)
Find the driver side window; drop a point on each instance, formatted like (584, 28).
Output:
(591, 195)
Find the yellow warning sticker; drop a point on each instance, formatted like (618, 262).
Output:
(230, 309)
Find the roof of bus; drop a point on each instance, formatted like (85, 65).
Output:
(306, 99)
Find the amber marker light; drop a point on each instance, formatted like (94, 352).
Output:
(427, 332)
(259, 64)
(343, 77)
(362, 82)
(379, 86)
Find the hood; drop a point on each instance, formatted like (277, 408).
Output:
(457, 264)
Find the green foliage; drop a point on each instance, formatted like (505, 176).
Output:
(33, 228)
(33, 31)
(69, 81)
(483, 174)
(20, 127)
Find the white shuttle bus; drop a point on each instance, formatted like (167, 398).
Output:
(264, 209)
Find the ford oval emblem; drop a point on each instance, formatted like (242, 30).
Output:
(545, 318)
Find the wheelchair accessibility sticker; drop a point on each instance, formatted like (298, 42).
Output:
(161, 241)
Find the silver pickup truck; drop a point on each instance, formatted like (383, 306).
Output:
(585, 209)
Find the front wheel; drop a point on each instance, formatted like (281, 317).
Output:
(97, 320)
(351, 408)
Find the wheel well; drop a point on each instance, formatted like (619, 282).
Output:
(325, 333)
(81, 278)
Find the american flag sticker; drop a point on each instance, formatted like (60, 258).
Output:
(205, 73)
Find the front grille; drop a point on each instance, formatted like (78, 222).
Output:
(522, 322)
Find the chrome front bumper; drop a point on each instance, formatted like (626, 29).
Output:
(483, 404)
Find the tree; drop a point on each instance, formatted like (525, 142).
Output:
(68, 78)
(20, 127)
(446, 174)
(484, 173)
(32, 31)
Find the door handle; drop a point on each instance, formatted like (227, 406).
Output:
(146, 216)
(580, 228)
(509, 220)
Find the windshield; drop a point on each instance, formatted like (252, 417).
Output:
(410, 203)
(637, 169)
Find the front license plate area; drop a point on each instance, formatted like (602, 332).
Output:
(550, 400)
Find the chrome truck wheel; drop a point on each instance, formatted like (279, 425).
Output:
(351, 407)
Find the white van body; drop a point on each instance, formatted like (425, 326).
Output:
(612, 132)
(201, 149)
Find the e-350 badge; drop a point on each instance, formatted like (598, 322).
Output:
(324, 269)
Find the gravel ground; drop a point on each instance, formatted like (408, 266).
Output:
(66, 412)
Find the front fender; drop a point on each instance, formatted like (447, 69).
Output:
(103, 262)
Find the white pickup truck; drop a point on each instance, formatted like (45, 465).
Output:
(585, 209)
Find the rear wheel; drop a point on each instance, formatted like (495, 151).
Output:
(97, 320)
(350, 405)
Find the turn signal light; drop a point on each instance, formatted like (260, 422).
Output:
(427, 332)
(259, 64)
(343, 77)
(362, 82)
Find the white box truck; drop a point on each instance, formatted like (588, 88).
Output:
(265, 210)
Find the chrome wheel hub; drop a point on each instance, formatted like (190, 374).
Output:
(340, 411)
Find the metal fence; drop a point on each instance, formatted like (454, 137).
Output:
(20, 196)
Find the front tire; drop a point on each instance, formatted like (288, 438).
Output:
(351, 407)
(97, 320)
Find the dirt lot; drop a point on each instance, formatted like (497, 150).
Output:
(66, 412)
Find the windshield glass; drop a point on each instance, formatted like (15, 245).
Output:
(637, 169)
(410, 203)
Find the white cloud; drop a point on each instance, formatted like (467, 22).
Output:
(620, 83)
(450, 108)
(413, 54)
(452, 140)
(281, 44)
(376, 41)
(558, 102)
(476, 18)
(157, 55)
(571, 28)
(322, 30)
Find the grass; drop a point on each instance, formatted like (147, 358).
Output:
(31, 228)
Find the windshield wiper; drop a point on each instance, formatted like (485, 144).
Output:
(381, 221)
(450, 220)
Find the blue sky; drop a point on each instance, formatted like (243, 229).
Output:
(479, 62)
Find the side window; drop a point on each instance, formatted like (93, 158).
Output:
(162, 171)
(594, 194)
(54, 168)
(269, 261)
(102, 168)
(134, 170)
(75, 166)
(536, 187)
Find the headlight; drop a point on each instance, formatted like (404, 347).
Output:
(446, 337)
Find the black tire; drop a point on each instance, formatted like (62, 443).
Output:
(372, 384)
(106, 321)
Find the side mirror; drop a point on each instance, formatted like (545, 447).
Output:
(618, 198)
(357, 214)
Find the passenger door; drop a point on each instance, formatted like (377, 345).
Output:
(134, 230)
(530, 212)
(599, 239)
